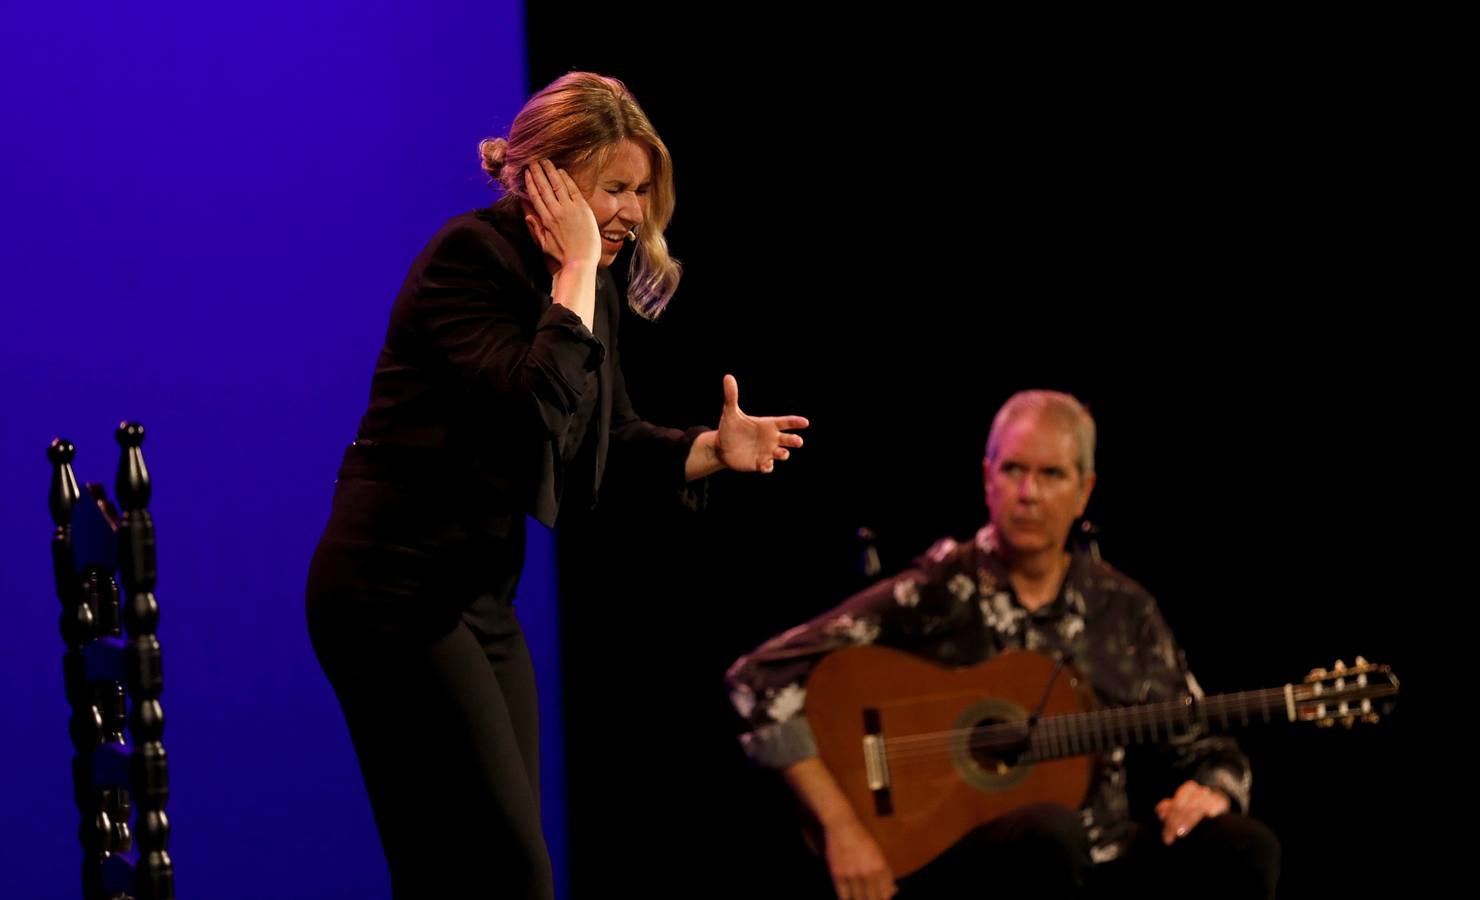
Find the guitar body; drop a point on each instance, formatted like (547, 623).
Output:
(937, 789)
(925, 754)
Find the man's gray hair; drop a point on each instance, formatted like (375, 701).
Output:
(1055, 405)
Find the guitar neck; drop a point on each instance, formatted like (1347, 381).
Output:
(1054, 737)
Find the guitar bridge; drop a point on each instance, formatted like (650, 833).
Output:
(876, 762)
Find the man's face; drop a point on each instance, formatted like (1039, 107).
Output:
(1034, 488)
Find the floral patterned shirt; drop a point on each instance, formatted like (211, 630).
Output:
(956, 607)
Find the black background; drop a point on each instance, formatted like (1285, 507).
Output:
(1215, 234)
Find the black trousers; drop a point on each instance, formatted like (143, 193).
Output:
(1043, 852)
(1229, 856)
(432, 672)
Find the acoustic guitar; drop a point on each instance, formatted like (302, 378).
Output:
(925, 753)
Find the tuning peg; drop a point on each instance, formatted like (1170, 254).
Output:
(1361, 661)
(1325, 723)
(1339, 667)
(1349, 721)
(1316, 675)
(1371, 718)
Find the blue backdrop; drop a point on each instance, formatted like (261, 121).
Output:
(207, 212)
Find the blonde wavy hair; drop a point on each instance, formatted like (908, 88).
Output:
(578, 121)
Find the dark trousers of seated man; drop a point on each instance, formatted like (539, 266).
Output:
(1042, 852)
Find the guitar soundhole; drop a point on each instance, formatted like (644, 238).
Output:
(997, 744)
(989, 745)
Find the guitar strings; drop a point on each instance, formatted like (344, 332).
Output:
(1087, 732)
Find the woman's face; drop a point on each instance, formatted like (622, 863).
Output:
(618, 194)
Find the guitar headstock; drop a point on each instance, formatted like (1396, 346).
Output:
(1343, 693)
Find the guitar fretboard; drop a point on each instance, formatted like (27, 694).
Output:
(1054, 737)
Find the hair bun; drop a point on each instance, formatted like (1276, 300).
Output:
(492, 151)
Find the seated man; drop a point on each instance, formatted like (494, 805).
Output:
(1016, 587)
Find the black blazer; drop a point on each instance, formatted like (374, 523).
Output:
(481, 373)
